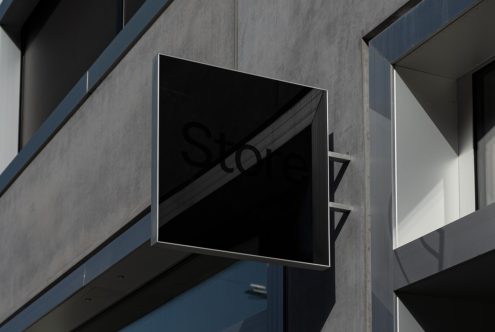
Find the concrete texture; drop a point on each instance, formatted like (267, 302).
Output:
(319, 43)
(94, 176)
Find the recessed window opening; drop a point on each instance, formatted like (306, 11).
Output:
(438, 176)
(59, 42)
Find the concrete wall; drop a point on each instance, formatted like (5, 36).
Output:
(319, 42)
(94, 176)
(10, 68)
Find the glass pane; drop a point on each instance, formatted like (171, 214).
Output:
(225, 302)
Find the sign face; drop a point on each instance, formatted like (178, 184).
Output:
(240, 165)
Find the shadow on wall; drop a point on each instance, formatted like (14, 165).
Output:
(310, 295)
(434, 245)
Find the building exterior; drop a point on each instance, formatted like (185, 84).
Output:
(408, 88)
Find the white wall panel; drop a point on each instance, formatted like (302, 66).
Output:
(10, 66)
(467, 181)
(427, 167)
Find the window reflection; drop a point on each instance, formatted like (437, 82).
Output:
(226, 302)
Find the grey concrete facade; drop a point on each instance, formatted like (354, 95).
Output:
(93, 177)
(320, 43)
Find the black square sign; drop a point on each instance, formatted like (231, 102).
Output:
(240, 165)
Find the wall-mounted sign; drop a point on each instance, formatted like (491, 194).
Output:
(240, 165)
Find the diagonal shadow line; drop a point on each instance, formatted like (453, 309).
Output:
(338, 228)
(335, 181)
(401, 267)
(436, 254)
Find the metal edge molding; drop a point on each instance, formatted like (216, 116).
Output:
(155, 139)
(96, 264)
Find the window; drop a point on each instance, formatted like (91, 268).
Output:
(439, 177)
(434, 173)
(225, 302)
(60, 41)
(199, 293)
(484, 123)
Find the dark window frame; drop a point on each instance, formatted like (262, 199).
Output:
(478, 120)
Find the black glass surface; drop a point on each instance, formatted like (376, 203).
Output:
(264, 211)
(205, 115)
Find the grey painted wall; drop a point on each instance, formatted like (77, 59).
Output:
(94, 176)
